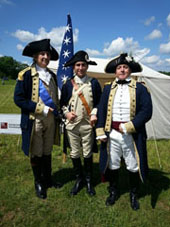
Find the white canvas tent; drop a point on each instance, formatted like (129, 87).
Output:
(159, 85)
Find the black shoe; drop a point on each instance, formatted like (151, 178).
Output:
(79, 176)
(40, 191)
(77, 186)
(134, 201)
(134, 181)
(112, 198)
(90, 189)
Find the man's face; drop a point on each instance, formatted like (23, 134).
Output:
(80, 68)
(122, 71)
(42, 59)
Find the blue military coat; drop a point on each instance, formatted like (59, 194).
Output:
(140, 113)
(26, 97)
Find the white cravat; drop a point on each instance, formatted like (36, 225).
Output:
(79, 80)
(44, 75)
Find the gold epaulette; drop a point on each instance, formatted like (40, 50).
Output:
(144, 84)
(21, 73)
(107, 83)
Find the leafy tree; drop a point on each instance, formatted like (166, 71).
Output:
(166, 73)
(10, 67)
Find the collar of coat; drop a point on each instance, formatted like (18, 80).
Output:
(34, 71)
(131, 84)
(85, 79)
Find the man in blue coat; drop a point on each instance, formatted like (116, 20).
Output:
(124, 108)
(80, 97)
(36, 93)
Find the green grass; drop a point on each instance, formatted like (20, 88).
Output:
(7, 104)
(20, 207)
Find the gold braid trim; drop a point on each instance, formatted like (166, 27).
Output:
(21, 73)
(130, 127)
(100, 132)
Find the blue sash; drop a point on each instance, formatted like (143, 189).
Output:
(44, 95)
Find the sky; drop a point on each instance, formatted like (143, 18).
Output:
(102, 28)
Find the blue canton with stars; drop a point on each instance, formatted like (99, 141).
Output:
(66, 53)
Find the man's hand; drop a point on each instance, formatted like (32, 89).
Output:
(93, 120)
(50, 110)
(103, 140)
(71, 116)
(121, 129)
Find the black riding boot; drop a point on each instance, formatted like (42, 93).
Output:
(113, 176)
(46, 170)
(36, 164)
(88, 167)
(134, 188)
(79, 176)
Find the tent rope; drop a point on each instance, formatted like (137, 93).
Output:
(18, 142)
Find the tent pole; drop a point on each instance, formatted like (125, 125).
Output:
(156, 145)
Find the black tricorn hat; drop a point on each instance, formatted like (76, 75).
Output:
(123, 59)
(38, 46)
(80, 56)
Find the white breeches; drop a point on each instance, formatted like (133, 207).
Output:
(122, 145)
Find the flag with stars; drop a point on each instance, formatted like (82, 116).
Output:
(66, 53)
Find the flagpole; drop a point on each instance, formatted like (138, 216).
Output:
(63, 73)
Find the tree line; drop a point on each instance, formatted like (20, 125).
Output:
(166, 73)
(9, 67)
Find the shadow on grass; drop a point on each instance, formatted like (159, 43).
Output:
(155, 184)
(66, 175)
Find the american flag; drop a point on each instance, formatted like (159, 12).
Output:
(66, 53)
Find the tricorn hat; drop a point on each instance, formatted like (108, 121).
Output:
(123, 59)
(38, 46)
(80, 56)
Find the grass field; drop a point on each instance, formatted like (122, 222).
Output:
(20, 207)
(7, 104)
